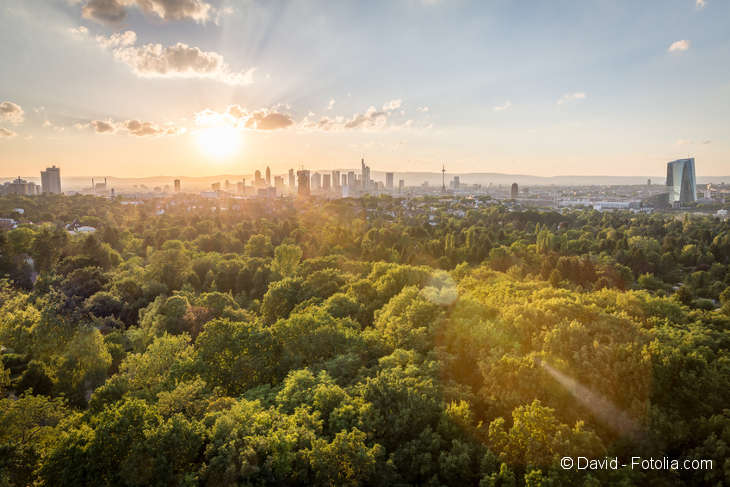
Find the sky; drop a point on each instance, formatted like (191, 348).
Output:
(203, 87)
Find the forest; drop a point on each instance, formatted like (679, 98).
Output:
(372, 341)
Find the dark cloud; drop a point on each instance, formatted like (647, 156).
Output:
(102, 127)
(107, 11)
(10, 112)
(114, 11)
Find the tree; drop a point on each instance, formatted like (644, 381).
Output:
(286, 259)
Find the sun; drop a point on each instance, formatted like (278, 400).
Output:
(219, 142)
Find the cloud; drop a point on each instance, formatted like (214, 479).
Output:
(6, 133)
(239, 117)
(707, 141)
(331, 104)
(423, 109)
(107, 11)
(102, 127)
(682, 45)
(503, 106)
(115, 11)
(10, 112)
(130, 127)
(176, 61)
(392, 105)
(700, 3)
(126, 38)
(568, 97)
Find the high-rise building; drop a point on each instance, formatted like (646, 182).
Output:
(227, 185)
(20, 186)
(344, 180)
(456, 182)
(215, 186)
(268, 176)
(51, 180)
(326, 178)
(514, 191)
(292, 181)
(258, 181)
(681, 181)
(177, 185)
(303, 182)
(351, 180)
(389, 180)
(316, 181)
(364, 175)
(336, 179)
(401, 185)
(240, 187)
(279, 184)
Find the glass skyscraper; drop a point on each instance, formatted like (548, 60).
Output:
(681, 181)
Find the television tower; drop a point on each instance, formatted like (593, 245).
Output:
(443, 178)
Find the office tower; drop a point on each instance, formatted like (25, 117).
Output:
(336, 179)
(351, 181)
(292, 181)
(389, 180)
(257, 179)
(239, 187)
(21, 186)
(401, 185)
(228, 185)
(303, 182)
(99, 187)
(344, 180)
(215, 186)
(316, 181)
(456, 182)
(279, 184)
(364, 175)
(681, 181)
(514, 191)
(648, 182)
(268, 176)
(326, 178)
(51, 180)
(177, 185)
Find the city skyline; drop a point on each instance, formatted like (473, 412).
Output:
(210, 87)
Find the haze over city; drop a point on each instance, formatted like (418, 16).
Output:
(201, 88)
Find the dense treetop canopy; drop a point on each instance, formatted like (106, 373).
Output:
(371, 341)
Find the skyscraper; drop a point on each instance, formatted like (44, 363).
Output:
(514, 191)
(336, 179)
(365, 175)
(401, 185)
(316, 181)
(326, 178)
(177, 185)
(51, 180)
(292, 181)
(303, 182)
(681, 181)
(268, 176)
(389, 180)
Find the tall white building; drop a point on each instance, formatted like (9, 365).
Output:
(51, 180)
